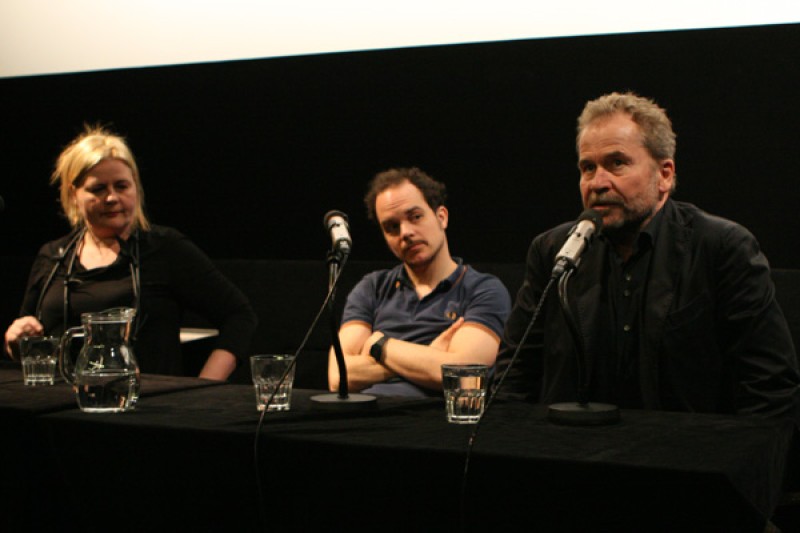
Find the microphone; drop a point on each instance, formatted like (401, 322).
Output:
(580, 412)
(579, 238)
(336, 223)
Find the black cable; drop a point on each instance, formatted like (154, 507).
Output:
(331, 291)
(135, 269)
(59, 262)
(492, 396)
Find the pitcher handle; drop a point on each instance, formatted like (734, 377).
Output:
(63, 354)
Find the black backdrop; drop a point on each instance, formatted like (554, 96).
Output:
(245, 157)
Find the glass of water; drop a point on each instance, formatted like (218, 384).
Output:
(464, 388)
(267, 371)
(39, 359)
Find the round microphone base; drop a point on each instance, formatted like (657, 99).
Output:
(587, 414)
(332, 402)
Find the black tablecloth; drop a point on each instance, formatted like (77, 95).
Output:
(186, 457)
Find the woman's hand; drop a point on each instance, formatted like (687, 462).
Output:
(26, 326)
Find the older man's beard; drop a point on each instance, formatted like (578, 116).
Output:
(632, 217)
(630, 223)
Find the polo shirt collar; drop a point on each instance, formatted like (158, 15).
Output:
(443, 286)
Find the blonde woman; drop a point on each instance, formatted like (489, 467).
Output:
(115, 257)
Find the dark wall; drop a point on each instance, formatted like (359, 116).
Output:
(245, 157)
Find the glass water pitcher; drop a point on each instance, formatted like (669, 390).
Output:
(105, 375)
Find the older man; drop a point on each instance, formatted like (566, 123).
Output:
(675, 307)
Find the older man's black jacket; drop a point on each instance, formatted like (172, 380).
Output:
(712, 337)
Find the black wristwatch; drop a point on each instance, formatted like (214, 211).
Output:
(376, 350)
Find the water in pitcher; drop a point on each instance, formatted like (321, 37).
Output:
(108, 391)
(105, 376)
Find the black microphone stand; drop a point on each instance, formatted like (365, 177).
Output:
(582, 412)
(341, 399)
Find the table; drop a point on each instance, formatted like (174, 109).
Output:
(185, 458)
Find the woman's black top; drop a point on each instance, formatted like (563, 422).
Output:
(174, 276)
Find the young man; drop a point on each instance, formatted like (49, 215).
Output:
(400, 325)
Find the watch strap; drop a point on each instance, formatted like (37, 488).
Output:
(376, 350)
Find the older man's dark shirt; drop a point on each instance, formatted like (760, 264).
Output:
(616, 377)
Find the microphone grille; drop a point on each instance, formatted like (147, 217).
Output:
(330, 214)
(594, 216)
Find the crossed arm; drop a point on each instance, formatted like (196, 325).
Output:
(418, 363)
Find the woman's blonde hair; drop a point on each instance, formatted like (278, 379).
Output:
(94, 145)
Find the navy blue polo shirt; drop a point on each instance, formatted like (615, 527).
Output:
(386, 301)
